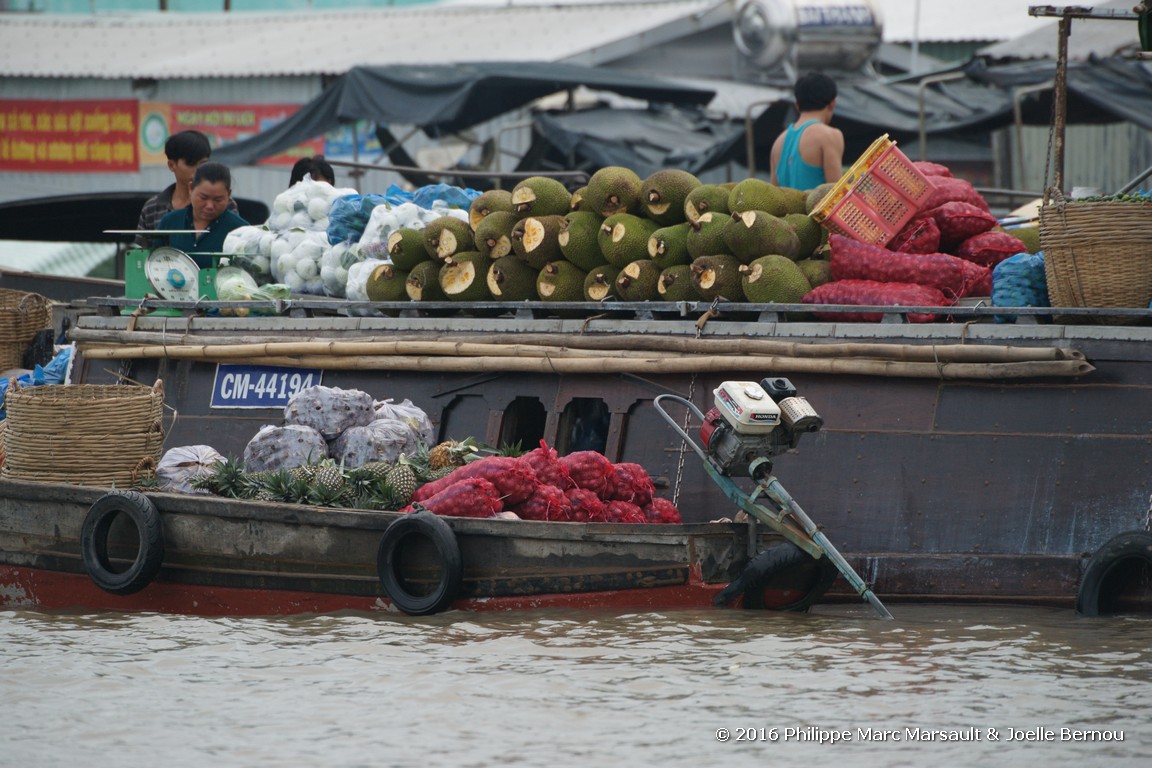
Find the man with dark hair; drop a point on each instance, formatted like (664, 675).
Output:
(316, 167)
(185, 151)
(810, 152)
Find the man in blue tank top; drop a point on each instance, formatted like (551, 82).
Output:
(810, 152)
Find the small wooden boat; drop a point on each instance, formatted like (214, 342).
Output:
(81, 548)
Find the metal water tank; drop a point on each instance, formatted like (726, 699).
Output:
(803, 35)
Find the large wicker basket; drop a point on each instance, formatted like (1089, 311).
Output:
(88, 434)
(1098, 255)
(22, 316)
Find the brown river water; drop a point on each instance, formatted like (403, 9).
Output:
(958, 686)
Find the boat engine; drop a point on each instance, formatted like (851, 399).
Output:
(750, 422)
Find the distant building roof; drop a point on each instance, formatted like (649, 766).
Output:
(953, 22)
(332, 42)
(1089, 37)
(68, 259)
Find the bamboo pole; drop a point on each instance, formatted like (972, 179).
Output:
(631, 364)
(569, 346)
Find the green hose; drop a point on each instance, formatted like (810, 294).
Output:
(1144, 24)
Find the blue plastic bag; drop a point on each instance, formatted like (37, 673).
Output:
(1019, 281)
(350, 215)
(52, 373)
(447, 195)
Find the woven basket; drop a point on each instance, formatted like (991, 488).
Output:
(89, 434)
(22, 315)
(1098, 255)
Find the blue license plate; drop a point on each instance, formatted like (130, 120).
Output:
(259, 386)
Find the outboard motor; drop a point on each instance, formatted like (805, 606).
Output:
(750, 422)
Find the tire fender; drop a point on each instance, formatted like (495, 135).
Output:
(397, 536)
(767, 563)
(94, 542)
(1125, 548)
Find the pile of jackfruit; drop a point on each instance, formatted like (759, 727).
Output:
(668, 237)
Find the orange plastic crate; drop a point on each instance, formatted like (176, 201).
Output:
(878, 195)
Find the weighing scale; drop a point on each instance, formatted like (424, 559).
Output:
(168, 273)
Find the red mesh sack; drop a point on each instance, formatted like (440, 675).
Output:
(959, 221)
(624, 512)
(932, 169)
(662, 511)
(471, 497)
(631, 482)
(990, 248)
(547, 502)
(585, 506)
(920, 235)
(977, 279)
(590, 470)
(874, 293)
(853, 260)
(947, 189)
(546, 462)
(513, 477)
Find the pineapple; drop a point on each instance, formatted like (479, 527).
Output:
(451, 453)
(227, 479)
(277, 486)
(329, 477)
(403, 481)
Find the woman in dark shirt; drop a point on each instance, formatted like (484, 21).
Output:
(208, 214)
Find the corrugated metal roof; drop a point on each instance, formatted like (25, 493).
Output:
(941, 21)
(1089, 37)
(186, 45)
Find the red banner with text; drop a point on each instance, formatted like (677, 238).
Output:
(76, 136)
(222, 123)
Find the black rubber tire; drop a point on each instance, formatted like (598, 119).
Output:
(94, 542)
(1131, 548)
(771, 561)
(429, 526)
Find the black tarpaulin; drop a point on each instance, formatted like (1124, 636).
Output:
(445, 98)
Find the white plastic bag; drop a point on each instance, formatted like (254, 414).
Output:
(330, 410)
(334, 266)
(382, 440)
(178, 467)
(412, 415)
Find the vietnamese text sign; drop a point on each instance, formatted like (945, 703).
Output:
(68, 136)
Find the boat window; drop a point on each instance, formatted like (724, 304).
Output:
(583, 426)
(523, 423)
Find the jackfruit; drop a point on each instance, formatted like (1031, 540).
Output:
(600, 283)
(493, 235)
(706, 198)
(489, 202)
(795, 200)
(808, 233)
(464, 276)
(717, 277)
(561, 281)
(751, 234)
(774, 279)
(706, 235)
(815, 195)
(613, 189)
(663, 193)
(1030, 236)
(406, 248)
(386, 283)
(669, 245)
(675, 284)
(447, 235)
(637, 281)
(535, 240)
(623, 238)
(541, 196)
(818, 271)
(510, 279)
(423, 283)
(754, 194)
(577, 202)
(578, 239)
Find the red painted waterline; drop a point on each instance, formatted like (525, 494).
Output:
(37, 589)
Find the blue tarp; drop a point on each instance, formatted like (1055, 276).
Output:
(52, 373)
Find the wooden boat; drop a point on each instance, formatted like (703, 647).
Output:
(220, 556)
(959, 462)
